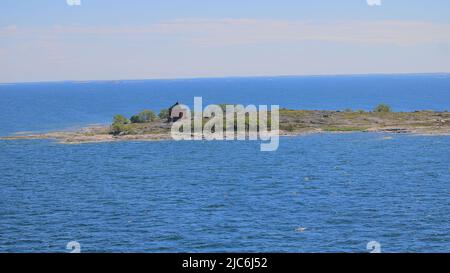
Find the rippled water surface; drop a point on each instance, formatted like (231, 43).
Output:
(56, 106)
(317, 193)
(344, 189)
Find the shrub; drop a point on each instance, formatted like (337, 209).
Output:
(382, 108)
(135, 119)
(119, 119)
(164, 114)
(143, 117)
(119, 125)
(117, 128)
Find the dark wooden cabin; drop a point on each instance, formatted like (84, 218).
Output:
(176, 112)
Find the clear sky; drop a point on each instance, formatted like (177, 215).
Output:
(49, 40)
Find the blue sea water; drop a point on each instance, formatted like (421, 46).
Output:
(343, 189)
(53, 106)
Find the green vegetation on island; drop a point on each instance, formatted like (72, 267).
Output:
(298, 121)
(146, 125)
(122, 125)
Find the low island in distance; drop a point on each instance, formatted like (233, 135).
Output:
(147, 126)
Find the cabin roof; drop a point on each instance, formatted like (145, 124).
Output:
(177, 103)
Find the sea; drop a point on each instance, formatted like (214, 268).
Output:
(316, 193)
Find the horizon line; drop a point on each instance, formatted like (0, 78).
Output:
(231, 77)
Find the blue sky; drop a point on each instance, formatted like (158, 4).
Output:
(48, 40)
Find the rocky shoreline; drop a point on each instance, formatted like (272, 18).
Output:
(292, 123)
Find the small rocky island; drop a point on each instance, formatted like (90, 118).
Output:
(148, 126)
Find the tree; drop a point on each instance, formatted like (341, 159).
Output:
(164, 114)
(143, 117)
(117, 128)
(119, 119)
(119, 124)
(382, 108)
(135, 119)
